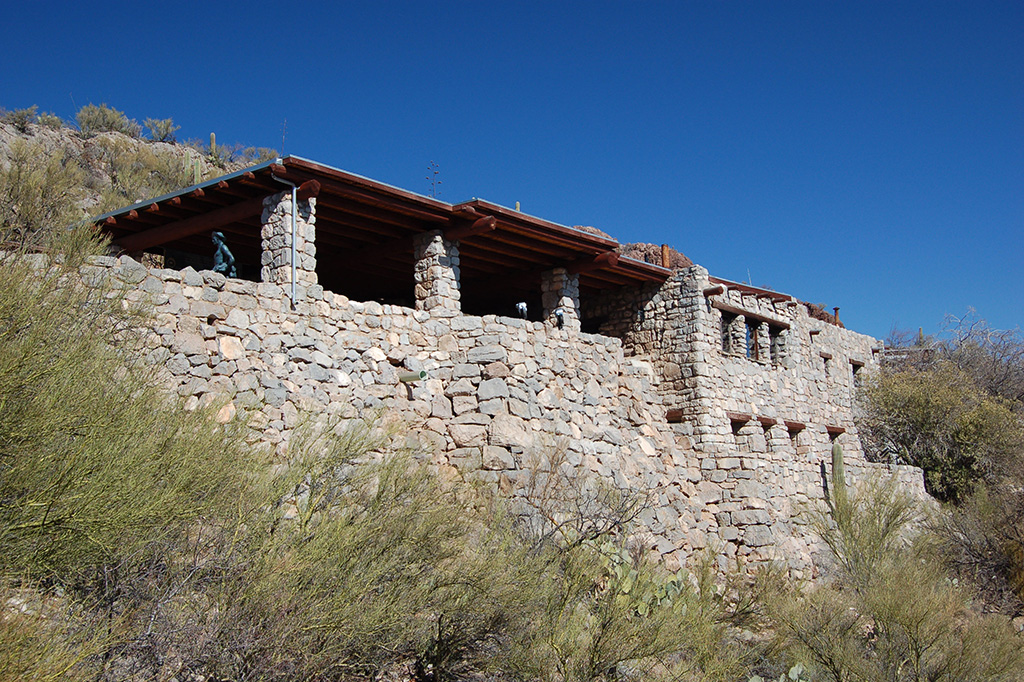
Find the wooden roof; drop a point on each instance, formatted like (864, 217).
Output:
(365, 230)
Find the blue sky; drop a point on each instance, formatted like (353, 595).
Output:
(863, 155)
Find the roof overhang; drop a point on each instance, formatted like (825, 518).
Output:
(365, 230)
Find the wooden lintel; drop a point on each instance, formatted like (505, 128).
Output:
(714, 290)
(782, 324)
(749, 290)
(814, 332)
(835, 430)
(481, 225)
(190, 226)
(825, 356)
(608, 259)
(794, 426)
(738, 417)
(674, 415)
(767, 421)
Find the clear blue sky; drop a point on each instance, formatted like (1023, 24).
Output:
(862, 155)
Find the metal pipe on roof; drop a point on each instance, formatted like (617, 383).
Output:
(295, 201)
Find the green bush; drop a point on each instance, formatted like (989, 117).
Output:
(890, 612)
(938, 418)
(20, 118)
(94, 119)
(136, 172)
(39, 192)
(50, 120)
(99, 467)
(347, 562)
(161, 130)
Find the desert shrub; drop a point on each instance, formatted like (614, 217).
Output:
(136, 172)
(20, 118)
(364, 560)
(39, 189)
(47, 637)
(940, 420)
(890, 612)
(99, 467)
(94, 119)
(225, 155)
(161, 130)
(600, 608)
(50, 120)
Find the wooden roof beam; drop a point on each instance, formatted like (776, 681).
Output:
(481, 225)
(190, 226)
(608, 259)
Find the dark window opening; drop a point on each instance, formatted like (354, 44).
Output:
(856, 367)
(753, 352)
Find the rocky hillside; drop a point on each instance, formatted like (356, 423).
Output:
(53, 172)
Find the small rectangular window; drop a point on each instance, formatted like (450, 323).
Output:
(856, 367)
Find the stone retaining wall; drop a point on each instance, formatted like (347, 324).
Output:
(727, 470)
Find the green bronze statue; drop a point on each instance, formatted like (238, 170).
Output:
(223, 259)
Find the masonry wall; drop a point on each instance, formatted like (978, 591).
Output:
(759, 411)
(727, 470)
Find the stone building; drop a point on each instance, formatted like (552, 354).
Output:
(718, 399)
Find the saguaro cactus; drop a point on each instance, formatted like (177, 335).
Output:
(838, 474)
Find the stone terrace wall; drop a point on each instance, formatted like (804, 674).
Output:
(501, 391)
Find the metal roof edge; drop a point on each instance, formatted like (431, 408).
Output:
(184, 190)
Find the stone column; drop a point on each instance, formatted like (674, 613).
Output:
(277, 240)
(738, 335)
(560, 291)
(763, 341)
(437, 274)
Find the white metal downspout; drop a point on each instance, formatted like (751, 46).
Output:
(295, 201)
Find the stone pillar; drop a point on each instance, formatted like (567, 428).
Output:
(560, 291)
(763, 341)
(437, 274)
(738, 335)
(276, 232)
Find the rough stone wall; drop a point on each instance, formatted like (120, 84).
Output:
(499, 391)
(761, 390)
(731, 470)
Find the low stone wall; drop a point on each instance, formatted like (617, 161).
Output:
(501, 391)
